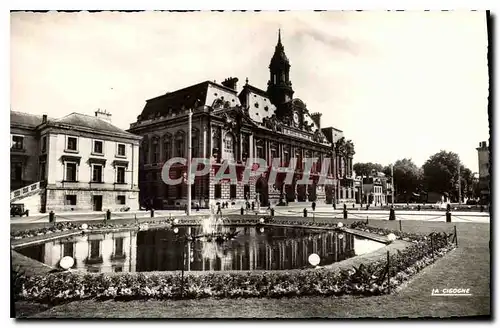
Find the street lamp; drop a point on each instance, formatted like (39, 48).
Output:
(392, 184)
(181, 239)
(314, 259)
(66, 262)
(190, 149)
(459, 185)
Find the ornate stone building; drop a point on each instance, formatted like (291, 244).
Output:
(227, 126)
(74, 163)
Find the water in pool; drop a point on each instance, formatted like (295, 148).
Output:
(252, 248)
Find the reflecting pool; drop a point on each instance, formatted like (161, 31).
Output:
(252, 248)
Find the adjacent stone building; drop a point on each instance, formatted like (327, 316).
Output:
(74, 163)
(232, 126)
(483, 152)
(342, 161)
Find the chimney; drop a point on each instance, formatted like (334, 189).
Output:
(231, 83)
(316, 117)
(103, 115)
(44, 118)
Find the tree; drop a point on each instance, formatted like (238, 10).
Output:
(344, 149)
(387, 171)
(407, 178)
(467, 182)
(366, 169)
(441, 173)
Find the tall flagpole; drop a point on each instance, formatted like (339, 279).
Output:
(190, 123)
(392, 183)
(459, 185)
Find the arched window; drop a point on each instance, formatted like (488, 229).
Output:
(167, 147)
(229, 146)
(155, 149)
(195, 143)
(179, 144)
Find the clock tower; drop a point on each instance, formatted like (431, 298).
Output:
(279, 87)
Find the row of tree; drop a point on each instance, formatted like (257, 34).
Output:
(439, 174)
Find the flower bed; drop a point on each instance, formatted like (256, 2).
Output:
(365, 280)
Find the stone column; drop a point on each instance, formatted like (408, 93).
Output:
(251, 146)
(240, 147)
(204, 151)
(221, 146)
(266, 150)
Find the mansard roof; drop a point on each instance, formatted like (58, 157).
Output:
(249, 87)
(190, 97)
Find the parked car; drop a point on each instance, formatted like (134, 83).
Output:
(18, 209)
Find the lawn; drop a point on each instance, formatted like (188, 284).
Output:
(468, 266)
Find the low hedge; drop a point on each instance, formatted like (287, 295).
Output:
(435, 207)
(98, 225)
(365, 280)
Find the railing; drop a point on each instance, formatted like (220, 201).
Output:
(25, 190)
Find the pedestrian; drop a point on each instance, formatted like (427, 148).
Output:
(334, 205)
(313, 205)
(219, 209)
(253, 205)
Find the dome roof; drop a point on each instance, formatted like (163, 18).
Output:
(297, 103)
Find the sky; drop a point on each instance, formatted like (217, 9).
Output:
(399, 84)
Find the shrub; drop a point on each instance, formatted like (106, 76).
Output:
(365, 280)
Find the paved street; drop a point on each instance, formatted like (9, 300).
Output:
(324, 211)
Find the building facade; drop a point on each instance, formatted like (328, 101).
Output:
(75, 163)
(228, 126)
(373, 191)
(342, 161)
(483, 152)
(24, 149)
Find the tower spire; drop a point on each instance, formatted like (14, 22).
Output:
(279, 86)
